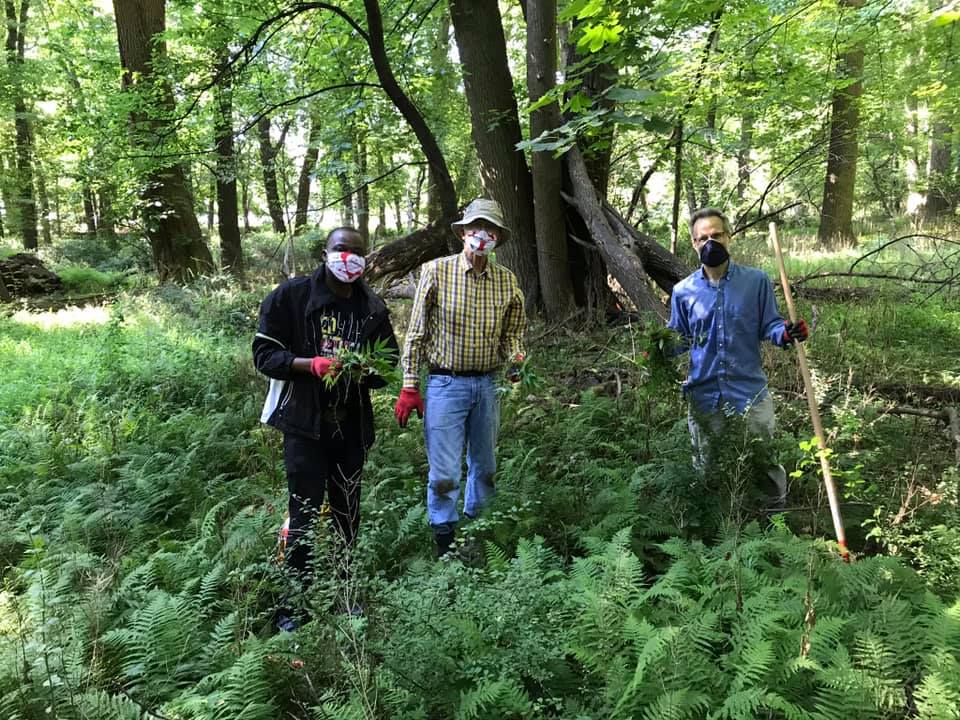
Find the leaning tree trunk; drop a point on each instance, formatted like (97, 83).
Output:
(268, 159)
(168, 211)
(836, 214)
(623, 265)
(496, 131)
(23, 137)
(228, 210)
(551, 236)
(306, 174)
(446, 194)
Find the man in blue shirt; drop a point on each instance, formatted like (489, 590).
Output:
(722, 312)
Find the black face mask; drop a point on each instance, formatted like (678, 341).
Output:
(713, 254)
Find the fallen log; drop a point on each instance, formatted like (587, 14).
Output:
(663, 267)
(406, 254)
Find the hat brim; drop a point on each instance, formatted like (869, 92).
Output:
(467, 219)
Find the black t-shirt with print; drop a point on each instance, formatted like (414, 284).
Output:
(341, 327)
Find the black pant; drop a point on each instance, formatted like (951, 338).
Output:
(332, 464)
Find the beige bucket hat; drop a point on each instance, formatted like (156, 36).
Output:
(485, 209)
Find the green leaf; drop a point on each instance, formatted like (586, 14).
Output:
(627, 94)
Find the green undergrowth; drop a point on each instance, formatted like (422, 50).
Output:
(140, 501)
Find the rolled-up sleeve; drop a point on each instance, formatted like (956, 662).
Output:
(271, 353)
(514, 325)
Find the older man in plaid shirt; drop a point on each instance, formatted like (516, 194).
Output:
(466, 325)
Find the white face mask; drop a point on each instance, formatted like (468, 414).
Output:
(346, 267)
(480, 242)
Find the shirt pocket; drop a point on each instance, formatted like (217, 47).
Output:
(745, 321)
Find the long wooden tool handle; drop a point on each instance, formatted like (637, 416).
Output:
(812, 403)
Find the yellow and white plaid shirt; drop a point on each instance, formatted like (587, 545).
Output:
(463, 321)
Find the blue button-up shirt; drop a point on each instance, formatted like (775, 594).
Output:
(722, 326)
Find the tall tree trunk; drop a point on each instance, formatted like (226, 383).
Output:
(743, 155)
(268, 158)
(677, 185)
(228, 226)
(592, 288)
(836, 214)
(363, 190)
(23, 136)
(938, 202)
(107, 225)
(168, 212)
(44, 205)
(496, 131)
(245, 202)
(7, 172)
(551, 238)
(347, 217)
(306, 173)
(211, 203)
(89, 208)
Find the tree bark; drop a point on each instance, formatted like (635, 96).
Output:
(306, 174)
(89, 208)
(168, 212)
(495, 128)
(44, 205)
(663, 267)
(268, 157)
(228, 225)
(677, 185)
(405, 255)
(623, 265)
(743, 155)
(591, 287)
(23, 136)
(594, 83)
(836, 214)
(107, 223)
(363, 189)
(938, 203)
(551, 238)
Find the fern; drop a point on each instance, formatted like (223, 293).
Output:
(501, 698)
(247, 694)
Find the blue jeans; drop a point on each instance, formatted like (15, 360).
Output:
(458, 410)
(760, 422)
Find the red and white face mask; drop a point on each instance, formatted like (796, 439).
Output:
(480, 242)
(346, 267)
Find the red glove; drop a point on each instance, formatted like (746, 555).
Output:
(408, 401)
(322, 366)
(795, 331)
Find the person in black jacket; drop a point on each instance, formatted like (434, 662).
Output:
(326, 421)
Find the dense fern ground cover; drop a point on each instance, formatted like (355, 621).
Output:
(140, 500)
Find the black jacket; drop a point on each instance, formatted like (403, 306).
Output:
(289, 327)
